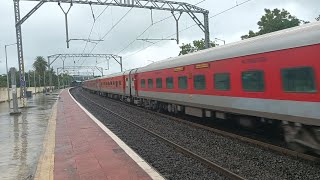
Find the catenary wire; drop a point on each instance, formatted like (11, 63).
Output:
(224, 11)
(93, 24)
(133, 41)
(109, 31)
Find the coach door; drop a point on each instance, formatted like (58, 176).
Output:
(133, 82)
(98, 85)
(128, 84)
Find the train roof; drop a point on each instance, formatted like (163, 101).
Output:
(304, 35)
(106, 76)
(111, 75)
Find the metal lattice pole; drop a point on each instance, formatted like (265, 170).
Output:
(20, 53)
(206, 30)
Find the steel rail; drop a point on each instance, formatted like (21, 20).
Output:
(177, 147)
(278, 149)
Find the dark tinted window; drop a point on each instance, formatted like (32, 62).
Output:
(199, 82)
(159, 83)
(183, 82)
(169, 82)
(253, 81)
(143, 83)
(222, 81)
(298, 79)
(150, 83)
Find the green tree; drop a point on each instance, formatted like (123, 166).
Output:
(274, 20)
(197, 45)
(3, 80)
(40, 65)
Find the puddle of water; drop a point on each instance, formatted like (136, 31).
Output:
(21, 137)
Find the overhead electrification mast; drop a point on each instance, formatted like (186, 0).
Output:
(171, 6)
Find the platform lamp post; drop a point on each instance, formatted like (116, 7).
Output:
(34, 82)
(8, 86)
(29, 79)
(58, 78)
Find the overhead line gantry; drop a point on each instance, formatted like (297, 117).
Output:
(171, 6)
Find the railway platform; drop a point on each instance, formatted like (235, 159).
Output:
(78, 146)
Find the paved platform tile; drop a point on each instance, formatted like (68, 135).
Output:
(84, 151)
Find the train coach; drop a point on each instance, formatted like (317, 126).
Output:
(269, 80)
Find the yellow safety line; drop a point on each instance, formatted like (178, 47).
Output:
(46, 161)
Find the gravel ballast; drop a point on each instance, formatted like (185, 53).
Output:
(244, 159)
(168, 162)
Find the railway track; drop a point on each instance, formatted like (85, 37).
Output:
(265, 145)
(225, 172)
(243, 159)
(281, 150)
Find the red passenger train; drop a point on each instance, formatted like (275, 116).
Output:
(270, 79)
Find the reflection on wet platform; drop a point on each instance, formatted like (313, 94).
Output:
(21, 137)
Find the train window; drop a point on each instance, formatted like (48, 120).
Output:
(119, 83)
(183, 82)
(143, 83)
(222, 81)
(299, 79)
(150, 83)
(159, 83)
(116, 83)
(199, 82)
(169, 82)
(253, 81)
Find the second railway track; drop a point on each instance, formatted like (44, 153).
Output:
(247, 163)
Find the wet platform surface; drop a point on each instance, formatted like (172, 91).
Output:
(21, 137)
(83, 150)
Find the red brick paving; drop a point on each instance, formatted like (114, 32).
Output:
(84, 151)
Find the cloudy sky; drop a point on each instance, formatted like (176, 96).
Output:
(44, 32)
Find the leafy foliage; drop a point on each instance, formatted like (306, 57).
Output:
(197, 45)
(35, 78)
(274, 20)
(40, 64)
(3, 80)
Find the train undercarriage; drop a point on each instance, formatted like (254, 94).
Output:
(299, 137)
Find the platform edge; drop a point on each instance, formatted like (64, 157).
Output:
(45, 164)
(134, 156)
